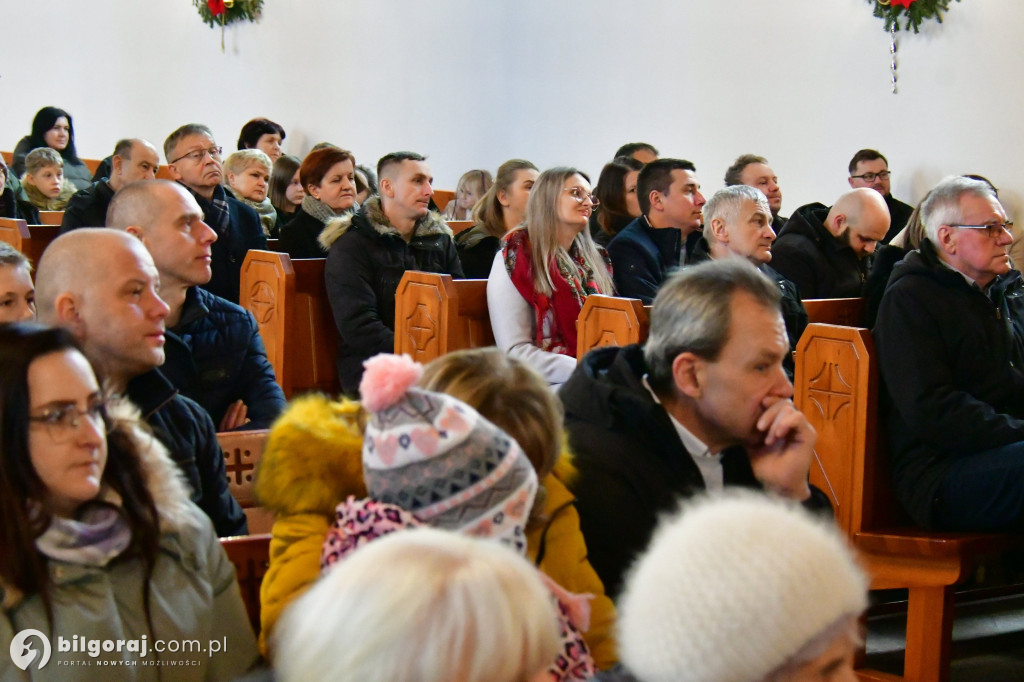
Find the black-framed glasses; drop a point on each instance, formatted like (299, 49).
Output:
(870, 177)
(993, 229)
(62, 421)
(197, 155)
(581, 195)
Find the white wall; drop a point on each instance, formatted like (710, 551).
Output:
(473, 82)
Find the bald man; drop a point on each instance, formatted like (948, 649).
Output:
(826, 251)
(215, 355)
(102, 285)
(134, 159)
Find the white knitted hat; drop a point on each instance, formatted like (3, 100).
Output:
(731, 588)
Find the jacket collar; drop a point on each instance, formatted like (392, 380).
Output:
(150, 391)
(193, 309)
(371, 215)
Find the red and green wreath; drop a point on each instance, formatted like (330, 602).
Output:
(912, 12)
(224, 12)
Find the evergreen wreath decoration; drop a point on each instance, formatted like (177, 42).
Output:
(914, 11)
(223, 12)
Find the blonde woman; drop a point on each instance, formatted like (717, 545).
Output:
(543, 273)
(471, 188)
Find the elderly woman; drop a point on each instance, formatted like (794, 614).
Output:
(543, 273)
(328, 177)
(53, 128)
(262, 134)
(98, 535)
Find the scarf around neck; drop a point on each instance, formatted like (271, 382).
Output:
(45, 203)
(98, 535)
(266, 212)
(216, 213)
(555, 314)
(318, 209)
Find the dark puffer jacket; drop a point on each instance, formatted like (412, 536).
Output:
(88, 207)
(189, 435)
(215, 356)
(298, 237)
(952, 367)
(820, 265)
(365, 261)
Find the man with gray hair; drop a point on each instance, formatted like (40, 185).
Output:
(133, 159)
(738, 223)
(704, 405)
(950, 340)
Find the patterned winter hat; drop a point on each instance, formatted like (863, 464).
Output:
(436, 457)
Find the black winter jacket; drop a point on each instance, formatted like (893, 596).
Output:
(215, 356)
(88, 207)
(476, 252)
(189, 435)
(820, 265)
(244, 232)
(899, 214)
(952, 367)
(642, 257)
(632, 465)
(298, 237)
(365, 261)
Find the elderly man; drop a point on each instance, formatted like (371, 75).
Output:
(754, 171)
(950, 339)
(368, 252)
(215, 355)
(825, 251)
(194, 160)
(737, 223)
(705, 404)
(868, 168)
(102, 285)
(646, 250)
(133, 159)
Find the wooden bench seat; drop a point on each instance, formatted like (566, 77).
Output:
(31, 240)
(289, 301)
(837, 388)
(436, 314)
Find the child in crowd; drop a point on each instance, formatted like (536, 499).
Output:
(475, 612)
(17, 294)
(286, 191)
(741, 586)
(43, 187)
(472, 185)
(248, 176)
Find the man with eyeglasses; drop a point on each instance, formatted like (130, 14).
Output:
(868, 168)
(102, 286)
(950, 340)
(194, 160)
(646, 250)
(825, 250)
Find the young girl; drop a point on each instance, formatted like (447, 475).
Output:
(472, 185)
(17, 294)
(286, 191)
(98, 537)
(248, 176)
(545, 270)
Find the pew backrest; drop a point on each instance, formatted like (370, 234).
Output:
(51, 217)
(610, 321)
(31, 240)
(458, 226)
(435, 314)
(251, 556)
(242, 453)
(848, 312)
(442, 197)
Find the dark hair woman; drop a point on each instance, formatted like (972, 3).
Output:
(97, 532)
(286, 190)
(328, 177)
(616, 190)
(53, 128)
(262, 134)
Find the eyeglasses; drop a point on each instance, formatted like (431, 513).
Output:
(870, 177)
(198, 155)
(994, 230)
(62, 421)
(581, 195)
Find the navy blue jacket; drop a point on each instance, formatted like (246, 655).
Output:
(642, 257)
(215, 356)
(189, 435)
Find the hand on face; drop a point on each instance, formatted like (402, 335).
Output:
(782, 459)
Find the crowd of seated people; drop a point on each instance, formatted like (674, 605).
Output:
(110, 414)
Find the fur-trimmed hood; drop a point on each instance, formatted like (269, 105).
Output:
(372, 215)
(313, 458)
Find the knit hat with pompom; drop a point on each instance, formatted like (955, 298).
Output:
(732, 587)
(436, 457)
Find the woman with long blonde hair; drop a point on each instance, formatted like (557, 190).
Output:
(543, 273)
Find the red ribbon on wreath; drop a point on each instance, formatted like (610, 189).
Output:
(217, 6)
(895, 3)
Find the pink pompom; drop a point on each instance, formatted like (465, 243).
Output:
(386, 378)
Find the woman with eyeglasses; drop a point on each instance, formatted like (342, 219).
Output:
(544, 271)
(102, 550)
(53, 128)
